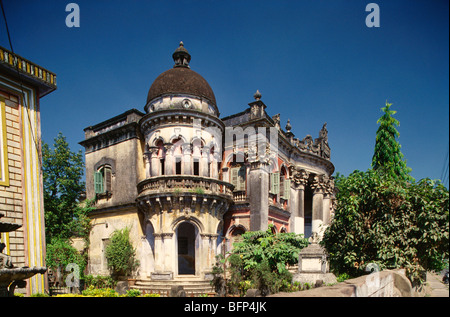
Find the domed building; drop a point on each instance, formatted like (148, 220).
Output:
(188, 183)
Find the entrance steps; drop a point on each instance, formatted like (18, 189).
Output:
(192, 285)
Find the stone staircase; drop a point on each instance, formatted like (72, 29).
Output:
(192, 285)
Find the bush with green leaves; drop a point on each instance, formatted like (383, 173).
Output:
(91, 291)
(120, 254)
(99, 281)
(262, 258)
(389, 221)
(60, 253)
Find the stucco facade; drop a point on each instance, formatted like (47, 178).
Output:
(188, 183)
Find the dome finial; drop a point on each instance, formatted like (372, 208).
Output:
(257, 95)
(181, 56)
(288, 126)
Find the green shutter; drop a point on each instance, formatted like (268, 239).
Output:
(107, 180)
(234, 177)
(274, 183)
(287, 189)
(276, 180)
(98, 182)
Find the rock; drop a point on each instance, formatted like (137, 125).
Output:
(122, 287)
(177, 291)
(253, 292)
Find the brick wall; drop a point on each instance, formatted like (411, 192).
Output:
(11, 196)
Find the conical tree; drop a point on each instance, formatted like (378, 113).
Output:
(387, 157)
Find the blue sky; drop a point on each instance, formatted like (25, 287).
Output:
(312, 61)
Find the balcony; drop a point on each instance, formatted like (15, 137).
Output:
(31, 72)
(180, 185)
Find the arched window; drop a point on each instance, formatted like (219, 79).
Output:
(161, 155)
(102, 180)
(236, 234)
(238, 176)
(196, 155)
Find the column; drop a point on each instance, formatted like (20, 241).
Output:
(300, 219)
(187, 163)
(329, 190)
(326, 209)
(205, 264)
(169, 162)
(300, 179)
(169, 252)
(158, 253)
(259, 199)
(204, 162)
(317, 205)
(155, 163)
(213, 160)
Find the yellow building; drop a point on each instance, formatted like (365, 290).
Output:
(22, 84)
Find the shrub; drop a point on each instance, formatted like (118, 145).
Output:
(99, 281)
(261, 258)
(91, 291)
(133, 293)
(60, 253)
(120, 254)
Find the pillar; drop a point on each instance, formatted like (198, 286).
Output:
(158, 252)
(299, 181)
(169, 252)
(317, 211)
(204, 162)
(169, 159)
(187, 163)
(326, 209)
(155, 162)
(206, 252)
(318, 185)
(259, 199)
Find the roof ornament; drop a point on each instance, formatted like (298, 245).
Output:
(181, 56)
(288, 126)
(257, 95)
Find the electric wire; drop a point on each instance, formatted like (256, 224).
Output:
(16, 64)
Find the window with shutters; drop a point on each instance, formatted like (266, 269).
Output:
(287, 189)
(274, 183)
(238, 177)
(285, 185)
(102, 180)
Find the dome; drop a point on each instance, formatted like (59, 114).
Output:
(181, 80)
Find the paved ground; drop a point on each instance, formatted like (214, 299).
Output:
(435, 287)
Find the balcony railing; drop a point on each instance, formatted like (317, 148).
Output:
(182, 184)
(25, 66)
(239, 196)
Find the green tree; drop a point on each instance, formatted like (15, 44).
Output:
(120, 254)
(387, 156)
(63, 187)
(391, 222)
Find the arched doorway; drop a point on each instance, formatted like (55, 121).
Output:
(186, 241)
